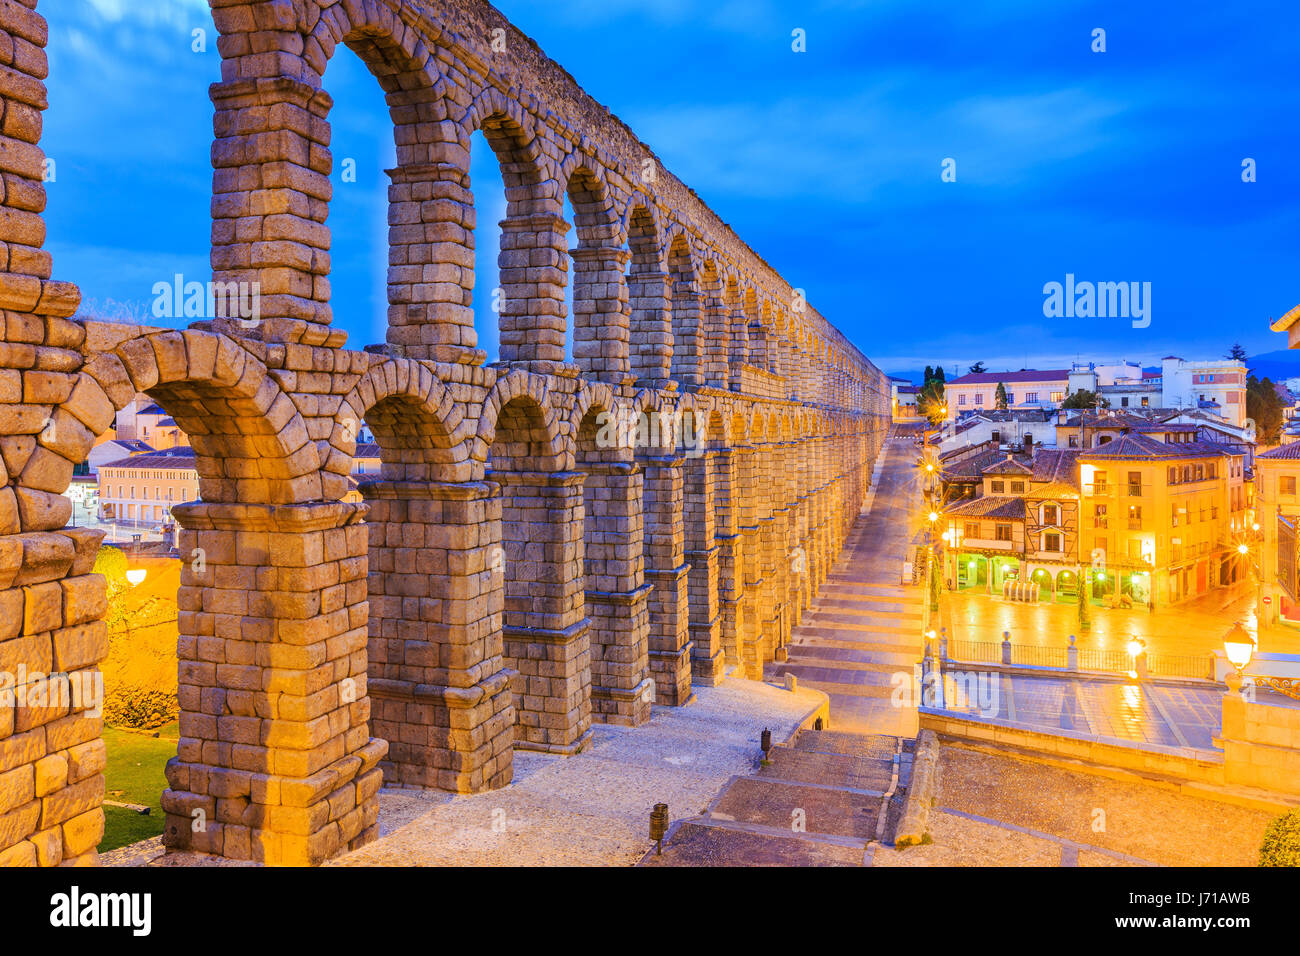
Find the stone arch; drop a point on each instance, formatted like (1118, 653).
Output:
(530, 421)
(421, 431)
(600, 296)
(649, 292)
(251, 445)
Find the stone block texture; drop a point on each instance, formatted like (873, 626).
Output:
(552, 541)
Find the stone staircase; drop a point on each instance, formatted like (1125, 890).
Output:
(824, 799)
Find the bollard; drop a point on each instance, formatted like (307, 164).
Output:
(1072, 656)
(1006, 648)
(765, 741)
(791, 683)
(659, 826)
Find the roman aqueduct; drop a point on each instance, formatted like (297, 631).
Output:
(513, 575)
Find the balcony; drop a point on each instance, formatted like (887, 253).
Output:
(1098, 490)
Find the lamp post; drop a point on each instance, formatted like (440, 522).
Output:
(1239, 647)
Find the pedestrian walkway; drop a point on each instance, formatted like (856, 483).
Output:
(862, 637)
(825, 799)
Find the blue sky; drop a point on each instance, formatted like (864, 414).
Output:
(1115, 166)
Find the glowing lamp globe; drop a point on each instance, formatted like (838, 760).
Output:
(1239, 646)
(136, 575)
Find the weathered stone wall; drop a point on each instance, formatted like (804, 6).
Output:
(515, 572)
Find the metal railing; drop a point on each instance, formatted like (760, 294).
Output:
(1073, 659)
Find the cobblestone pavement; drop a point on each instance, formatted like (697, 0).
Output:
(592, 809)
(998, 810)
(865, 626)
(1167, 715)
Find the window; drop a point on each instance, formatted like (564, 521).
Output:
(1017, 487)
(1099, 516)
(961, 399)
(972, 529)
(1058, 396)
(1051, 541)
(1004, 532)
(1099, 481)
(1074, 441)
(979, 398)
(1011, 398)
(996, 436)
(1286, 485)
(996, 487)
(1123, 402)
(1146, 402)
(1173, 475)
(1135, 484)
(1051, 514)
(1031, 397)
(1135, 517)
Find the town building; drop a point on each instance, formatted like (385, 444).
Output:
(1027, 388)
(1277, 508)
(1021, 428)
(1022, 526)
(904, 395)
(1161, 517)
(139, 490)
(1215, 385)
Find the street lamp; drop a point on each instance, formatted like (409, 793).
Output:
(1239, 647)
(136, 576)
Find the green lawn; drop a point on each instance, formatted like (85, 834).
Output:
(135, 775)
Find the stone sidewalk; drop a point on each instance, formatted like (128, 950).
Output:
(593, 809)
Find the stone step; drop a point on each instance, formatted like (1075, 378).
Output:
(821, 655)
(829, 769)
(839, 742)
(696, 843)
(824, 810)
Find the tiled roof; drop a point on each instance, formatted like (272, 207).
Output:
(132, 445)
(989, 506)
(1008, 466)
(151, 409)
(182, 457)
(970, 469)
(1055, 466)
(1024, 375)
(1288, 452)
(367, 450)
(1136, 446)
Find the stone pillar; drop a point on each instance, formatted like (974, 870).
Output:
(52, 639)
(617, 595)
(271, 192)
(703, 554)
(739, 344)
(276, 763)
(750, 608)
(688, 338)
(439, 687)
(730, 570)
(431, 220)
(546, 629)
(534, 266)
(652, 330)
(771, 523)
(717, 342)
(601, 322)
(666, 569)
